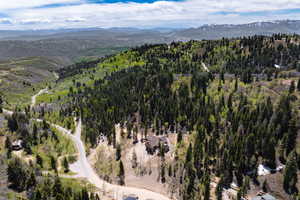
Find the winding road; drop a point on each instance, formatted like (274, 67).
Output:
(83, 168)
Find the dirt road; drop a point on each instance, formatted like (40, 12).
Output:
(33, 98)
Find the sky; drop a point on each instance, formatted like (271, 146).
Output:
(57, 14)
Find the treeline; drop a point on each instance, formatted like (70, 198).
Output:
(77, 68)
(80, 67)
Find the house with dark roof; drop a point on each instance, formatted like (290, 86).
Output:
(130, 197)
(17, 145)
(153, 143)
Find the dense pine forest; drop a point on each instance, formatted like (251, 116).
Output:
(230, 132)
(222, 99)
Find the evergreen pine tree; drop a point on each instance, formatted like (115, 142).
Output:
(236, 84)
(53, 163)
(1, 104)
(189, 154)
(66, 165)
(57, 187)
(163, 173)
(265, 186)
(18, 174)
(207, 189)
(134, 160)
(219, 189)
(222, 76)
(121, 173)
(8, 148)
(118, 152)
(179, 136)
(219, 86)
(39, 160)
(31, 181)
(292, 87)
(290, 174)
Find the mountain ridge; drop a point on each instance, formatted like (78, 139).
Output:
(70, 44)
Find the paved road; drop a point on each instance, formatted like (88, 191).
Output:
(83, 169)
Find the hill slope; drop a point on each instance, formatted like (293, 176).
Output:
(71, 45)
(20, 78)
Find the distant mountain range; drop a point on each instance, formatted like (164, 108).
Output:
(229, 31)
(69, 44)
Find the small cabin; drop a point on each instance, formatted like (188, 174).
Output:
(17, 145)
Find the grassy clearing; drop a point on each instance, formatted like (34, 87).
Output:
(61, 145)
(13, 196)
(78, 184)
(22, 99)
(108, 169)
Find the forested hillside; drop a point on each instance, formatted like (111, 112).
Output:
(232, 104)
(225, 109)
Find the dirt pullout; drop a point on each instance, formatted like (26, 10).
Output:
(146, 174)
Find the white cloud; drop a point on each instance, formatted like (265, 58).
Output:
(17, 4)
(161, 13)
(6, 21)
(76, 19)
(35, 21)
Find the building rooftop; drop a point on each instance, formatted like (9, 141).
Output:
(131, 198)
(264, 197)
